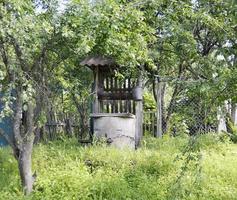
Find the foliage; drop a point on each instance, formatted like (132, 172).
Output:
(149, 102)
(110, 28)
(178, 126)
(232, 132)
(171, 168)
(195, 51)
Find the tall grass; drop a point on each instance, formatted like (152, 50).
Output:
(170, 168)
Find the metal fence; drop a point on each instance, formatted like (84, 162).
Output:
(183, 108)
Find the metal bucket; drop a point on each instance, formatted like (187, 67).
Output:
(137, 93)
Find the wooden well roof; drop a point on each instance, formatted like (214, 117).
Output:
(98, 61)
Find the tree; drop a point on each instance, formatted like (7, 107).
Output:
(191, 35)
(37, 41)
(111, 28)
(26, 39)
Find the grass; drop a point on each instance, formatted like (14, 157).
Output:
(168, 168)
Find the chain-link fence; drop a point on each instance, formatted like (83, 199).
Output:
(186, 107)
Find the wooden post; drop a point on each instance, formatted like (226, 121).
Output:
(159, 111)
(96, 101)
(139, 118)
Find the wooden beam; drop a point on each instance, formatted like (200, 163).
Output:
(115, 96)
(158, 109)
(139, 117)
(96, 100)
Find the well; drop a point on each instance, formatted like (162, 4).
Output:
(117, 106)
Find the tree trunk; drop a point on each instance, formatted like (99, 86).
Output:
(24, 165)
(23, 140)
(159, 110)
(172, 104)
(234, 113)
(171, 107)
(163, 89)
(68, 127)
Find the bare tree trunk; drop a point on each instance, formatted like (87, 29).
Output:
(234, 112)
(23, 141)
(163, 89)
(159, 132)
(171, 106)
(24, 166)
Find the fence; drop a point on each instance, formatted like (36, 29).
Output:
(60, 123)
(149, 122)
(183, 108)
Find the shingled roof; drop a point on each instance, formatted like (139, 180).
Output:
(100, 61)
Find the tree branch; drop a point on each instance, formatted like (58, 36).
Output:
(39, 60)
(3, 53)
(190, 69)
(17, 118)
(5, 59)
(19, 54)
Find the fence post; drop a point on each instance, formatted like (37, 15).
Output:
(158, 109)
(139, 117)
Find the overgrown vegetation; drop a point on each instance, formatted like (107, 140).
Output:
(202, 167)
(187, 49)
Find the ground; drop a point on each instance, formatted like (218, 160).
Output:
(203, 167)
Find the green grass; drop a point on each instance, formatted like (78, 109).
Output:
(171, 168)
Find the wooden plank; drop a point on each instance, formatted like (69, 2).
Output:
(129, 102)
(96, 100)
(115, 92)
(101, 106)
(111, 94)
(100, 86)
(115, 96)
(119, 90)
(107, 106)
(120, 100)
(133, 102)
(107, 102)
(134, 107)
